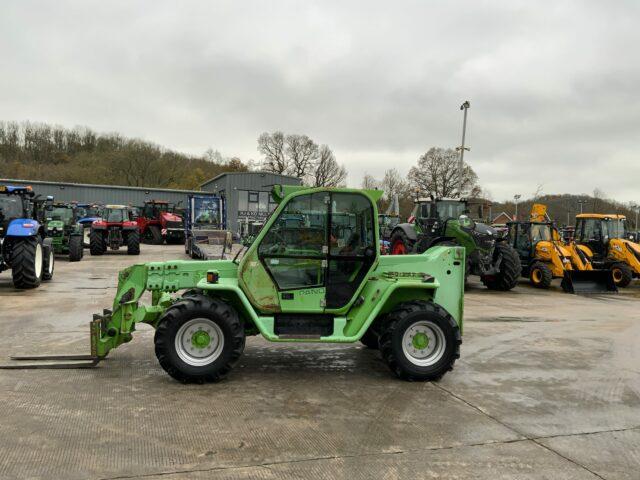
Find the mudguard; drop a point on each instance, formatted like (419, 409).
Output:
(408, 229)
(23, 227)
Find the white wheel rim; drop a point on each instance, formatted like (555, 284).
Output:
(190, 346)
(423, 343)
(51, 260)
(86, 235)
(38, 260)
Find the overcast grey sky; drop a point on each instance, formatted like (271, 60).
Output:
(553, 85)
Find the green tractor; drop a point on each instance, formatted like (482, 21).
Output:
(439, 221)
(313, 274)
(64, 230)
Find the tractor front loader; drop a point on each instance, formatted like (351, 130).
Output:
(320, 279)
(544, 256)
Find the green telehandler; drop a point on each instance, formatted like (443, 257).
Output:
(64, 230)
(313, 274)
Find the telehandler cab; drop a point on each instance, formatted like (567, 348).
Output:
(606, 240)
(313, 274)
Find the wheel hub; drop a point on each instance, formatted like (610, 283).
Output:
(423, 343)
(420, 341)
(200, 339)
(199, 342)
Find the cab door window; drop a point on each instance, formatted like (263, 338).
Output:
(352, 248)
(293, 250)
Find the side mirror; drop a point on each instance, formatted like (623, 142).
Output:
(466, 221)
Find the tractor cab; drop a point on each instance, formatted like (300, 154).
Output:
(433, 213)
(596, 230)
(525, 236)
(63, 229)
(15, 203)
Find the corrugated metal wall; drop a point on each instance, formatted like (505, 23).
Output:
(231, 183)
(85, 193)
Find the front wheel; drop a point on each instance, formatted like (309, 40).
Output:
(199, 339)
(420, 341)
(27, 262)
(509, 269)
(133, 243)
(540, 275)
(401, 244)
(75, 248)
(622, 274)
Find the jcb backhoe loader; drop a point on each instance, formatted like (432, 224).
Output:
(544, 256)
(604, 238)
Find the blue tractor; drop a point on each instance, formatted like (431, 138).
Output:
(87, 214)
(22, 247)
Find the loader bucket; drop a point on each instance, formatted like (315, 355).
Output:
(588, 282)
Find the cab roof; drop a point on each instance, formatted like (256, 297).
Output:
(602, 216)
(280, 192)
(115, 207)
(13, 189)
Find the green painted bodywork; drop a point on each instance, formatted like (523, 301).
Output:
(60, 239)
(436, 276)
(463, 237)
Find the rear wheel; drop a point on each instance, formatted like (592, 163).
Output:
(420, 341)
(622, 274)
(509, 271)
(199, 339)
(27, 262)
(97, 245)
(540, 275)
(401, 244)
(133, 243)
(75, 248)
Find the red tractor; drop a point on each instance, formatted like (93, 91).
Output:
(113, 230)
(158, 223)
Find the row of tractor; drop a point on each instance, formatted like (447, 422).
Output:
(33, 230)
(600, 257)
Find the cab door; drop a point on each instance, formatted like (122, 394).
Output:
(294, 253)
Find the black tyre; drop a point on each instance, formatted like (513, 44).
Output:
(401, 244)
(133, 243)
(540, 275)
(156, 235)
(370, 338)
(622, 274)
(75, 248)
(97, 245)
(420, 341)
(199, 339)
(27, 262)
(187, 241)
(49, 262)
(509, 270)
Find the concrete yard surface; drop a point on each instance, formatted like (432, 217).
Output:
(547, 387)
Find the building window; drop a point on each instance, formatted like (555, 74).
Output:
(243, 204)
(253, 197)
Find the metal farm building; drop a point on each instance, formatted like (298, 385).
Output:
(247, 194)
(107, 194)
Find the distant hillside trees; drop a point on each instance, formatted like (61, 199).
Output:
(38, 151)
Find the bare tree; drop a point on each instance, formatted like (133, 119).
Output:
(393, 184)
(327, 172)
(437, 174)
(369, 182)
(272, 146)
(302, 155)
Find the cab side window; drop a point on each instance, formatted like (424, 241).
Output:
(292, 250)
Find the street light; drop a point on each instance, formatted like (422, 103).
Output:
(581, 202)
(516, 198)
(465, 106)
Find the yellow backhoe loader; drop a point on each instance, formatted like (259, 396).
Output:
(605, 240)
(544, 256)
